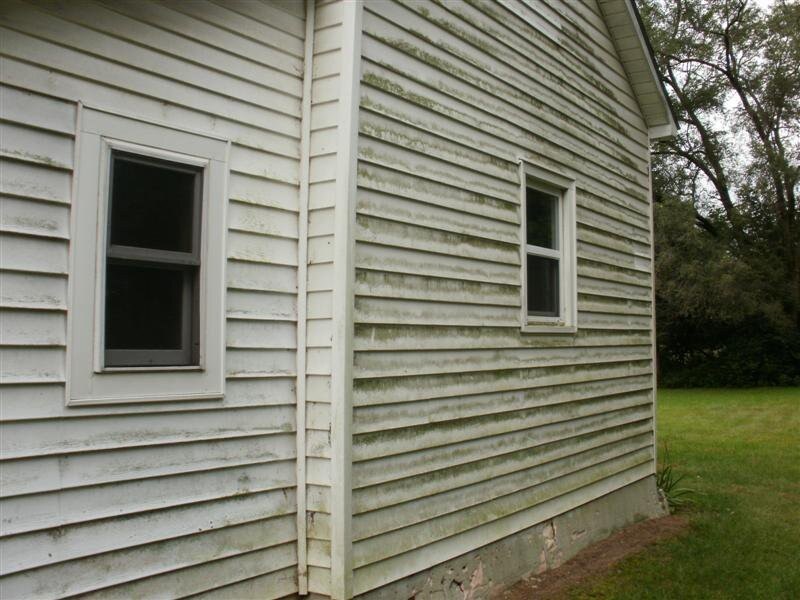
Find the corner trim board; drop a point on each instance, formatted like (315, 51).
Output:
(343, 304)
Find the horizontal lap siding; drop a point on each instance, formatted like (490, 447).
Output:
(170, 499)
(465, 429)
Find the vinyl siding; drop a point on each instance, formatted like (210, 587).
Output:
(168, 498)
(465, 429)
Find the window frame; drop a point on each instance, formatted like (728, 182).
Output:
(563, 189)
(189, 352)
(89, 381)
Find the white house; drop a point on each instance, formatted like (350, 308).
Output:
(328, 298)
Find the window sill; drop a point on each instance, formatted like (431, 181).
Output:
(148, 369)
(550, 328)
(100, 401)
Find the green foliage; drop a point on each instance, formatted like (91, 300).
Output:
(667, 481)
(726, 187)
(720, 320)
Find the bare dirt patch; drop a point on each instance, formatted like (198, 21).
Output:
(596, 560)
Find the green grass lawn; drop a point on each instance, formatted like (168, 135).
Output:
(740, 450)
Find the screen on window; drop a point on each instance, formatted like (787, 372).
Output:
(152, 262)
(543, 253)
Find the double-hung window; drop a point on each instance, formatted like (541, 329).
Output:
(152, 262)
(548, 251)
(147, 262)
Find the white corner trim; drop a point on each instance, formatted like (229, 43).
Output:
(343, 304)
(653, 324)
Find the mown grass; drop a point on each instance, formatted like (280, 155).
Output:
(740, 451)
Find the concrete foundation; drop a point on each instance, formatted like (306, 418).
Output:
(480, 574)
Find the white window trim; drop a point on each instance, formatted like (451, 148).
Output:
(88, 381)
(562, 187)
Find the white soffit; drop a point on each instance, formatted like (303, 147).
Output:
(634, 51)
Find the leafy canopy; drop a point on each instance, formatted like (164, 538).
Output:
(726, 187)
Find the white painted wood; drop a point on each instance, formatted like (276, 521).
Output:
(412, 492)
(89, 383)
(385, 524)
(33, 254)
(104, 72)
(388, 473)
(446, 433)
(341, 586)
(380, 395)
(32, 328)
(535, 177)
(378, 573)
(267, 34)
(26, 217)
(67, 507)
(451, 398)
(33, 179)
(653, 334)
(640, 66)
(32, 290)
(151, 461)
(495, 59)
(41, 112)
(450, 116)
(27, 144)
(426, 362)
(174, 498)
(83, 39)
(123, 566)
(302, 302)
(278, 584)
(209, 32)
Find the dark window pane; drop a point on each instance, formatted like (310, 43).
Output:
(152, 204)
(543, 286)
(542, 219)
(145, 307)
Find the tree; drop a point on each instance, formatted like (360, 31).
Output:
(732, 73)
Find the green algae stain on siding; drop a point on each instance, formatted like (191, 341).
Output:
(448, 392)
(387, 85)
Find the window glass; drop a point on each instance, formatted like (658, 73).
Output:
(137, 318)
(542, 219)
(152, 203)
(543, 286)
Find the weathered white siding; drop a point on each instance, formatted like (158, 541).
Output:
(465, 429)
(159, 499)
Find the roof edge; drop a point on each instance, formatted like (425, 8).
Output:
(636, 54)
(671, 128)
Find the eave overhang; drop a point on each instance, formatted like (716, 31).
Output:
(636, 54)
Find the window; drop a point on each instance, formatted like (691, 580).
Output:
(548, 251)
(152, 262)
(147, 263)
